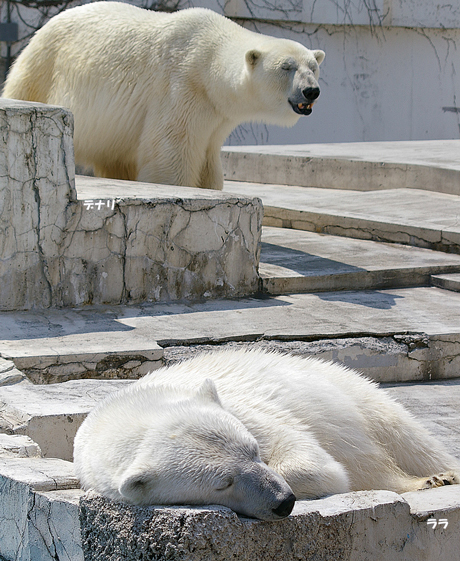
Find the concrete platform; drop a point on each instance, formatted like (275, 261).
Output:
(433, 165)
(377, 525)
(408, 216)
(51, 414)
(424, 319)
(299, 261)
(69, 241)
(62, 345)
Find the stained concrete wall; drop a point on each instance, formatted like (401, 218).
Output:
(391, 72)
(121, 243)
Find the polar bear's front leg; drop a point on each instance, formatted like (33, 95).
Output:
(308, 469)
(212, 176)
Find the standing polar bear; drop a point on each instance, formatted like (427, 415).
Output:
(254, 430)
(155, 95)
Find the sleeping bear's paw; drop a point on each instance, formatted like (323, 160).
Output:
(441, 479)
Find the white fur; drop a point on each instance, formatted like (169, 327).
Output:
(323, 428)
(155, 95)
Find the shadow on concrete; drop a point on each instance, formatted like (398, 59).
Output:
(367, 298)
(51, 322)
(302, 262)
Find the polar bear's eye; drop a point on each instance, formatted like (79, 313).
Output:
(225, 483)
(288, 66)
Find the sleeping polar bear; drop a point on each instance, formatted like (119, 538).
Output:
(253, 431)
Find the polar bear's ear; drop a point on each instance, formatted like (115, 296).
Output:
(252, 57)
(319, 55)
(207, 392)
(133, 485)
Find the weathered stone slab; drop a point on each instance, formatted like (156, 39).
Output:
(448, 282)
(18, 446)
(63, 345)
(407, 216)
(36, 189)
(114, 355)
(437, 518)
(358, 526)
(9, 374)
(383, 359)
(148, 243)
(22, 515)
(158, 243)
(431, 165)
(424, 319)
(54, 526)
(51, 415)
(39, 474)
(299, 261)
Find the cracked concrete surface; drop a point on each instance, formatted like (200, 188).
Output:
(162, 244)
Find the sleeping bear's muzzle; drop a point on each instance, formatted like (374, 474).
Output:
(303, 103)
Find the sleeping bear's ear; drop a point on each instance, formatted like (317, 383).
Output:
(133, 485)
(207, 392)
(319, 55)
(252, 57)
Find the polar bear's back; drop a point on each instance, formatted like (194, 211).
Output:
(267, 376)
(271, 388)
(133, 39)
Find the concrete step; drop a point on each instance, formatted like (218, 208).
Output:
(407, 216)
(51, 414)
(448, 282)
(61, 345)
(102, 241)
(424, 320)
(298, 261)
(39, 510)
(432, 165)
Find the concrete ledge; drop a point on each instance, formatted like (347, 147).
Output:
(39, 510)
(448, 282)
(51, 415)
(299, 261)
(391, 335)
(377, 525)
(431, 165)
(120, 242)
(406, 216)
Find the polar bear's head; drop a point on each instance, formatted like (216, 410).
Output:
(284, 80)
(198, 453)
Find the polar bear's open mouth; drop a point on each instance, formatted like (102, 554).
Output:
(302, 108)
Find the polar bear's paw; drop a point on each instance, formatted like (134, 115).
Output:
(441, 479)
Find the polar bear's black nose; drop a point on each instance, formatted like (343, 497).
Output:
(310, 94)
(285, 508)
